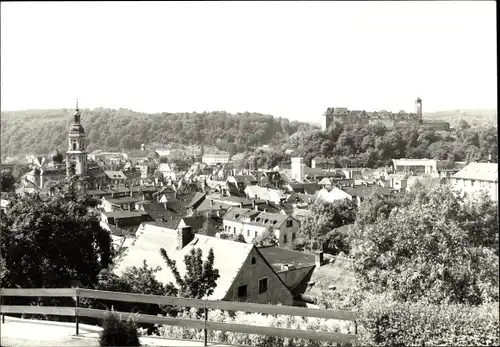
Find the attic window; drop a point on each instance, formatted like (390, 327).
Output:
(253, 261)
(275, 221)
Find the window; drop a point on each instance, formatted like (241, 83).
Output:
(289, 223)
(293, 237)
(262, 285)
(284, 238)
(255, 234)
(74, 146)
(242, 291)
(234, 230)
(253, 261)
(248, 233)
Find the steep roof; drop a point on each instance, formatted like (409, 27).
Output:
(253, 217)
(229, 255)
(196, 200)
(277, 256)
(115, 175)
(479, 171)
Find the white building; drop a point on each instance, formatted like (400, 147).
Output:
(477, 177)
(252, 223)
(215, 158)
(417, 166)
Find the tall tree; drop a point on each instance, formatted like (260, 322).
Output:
(435, 248)
(48, 241)
(200, 277)
(7, 181)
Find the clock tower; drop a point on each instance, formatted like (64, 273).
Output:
(76, 156)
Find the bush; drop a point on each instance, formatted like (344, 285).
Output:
(384, 322)
(117, 332)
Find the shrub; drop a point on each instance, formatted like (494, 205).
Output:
(117, 332)
(384, 322)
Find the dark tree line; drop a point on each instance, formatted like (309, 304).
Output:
(43, 130)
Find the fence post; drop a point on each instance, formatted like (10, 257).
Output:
(205, 330)
(77, 301)
(1, 304)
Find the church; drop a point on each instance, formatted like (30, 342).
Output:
(76, 163)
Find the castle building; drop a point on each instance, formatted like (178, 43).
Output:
(76, 156)
(344, 116)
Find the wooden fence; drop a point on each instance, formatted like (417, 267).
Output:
(206, 325)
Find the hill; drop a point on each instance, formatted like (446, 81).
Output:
(41, 131)
(486, 117)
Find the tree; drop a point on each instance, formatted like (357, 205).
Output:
(323, 219)
(267, 238)
(435, 247)
(7, 181)
(19, 170)
(200, 278)
(48, 241)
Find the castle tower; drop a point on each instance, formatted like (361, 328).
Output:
(76, 154)
(298, 169)
(418, 110)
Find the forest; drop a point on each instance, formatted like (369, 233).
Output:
(373, 146)
(42, 131)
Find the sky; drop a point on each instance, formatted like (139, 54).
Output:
(287, 59)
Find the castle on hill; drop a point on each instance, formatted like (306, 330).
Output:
(344, 116)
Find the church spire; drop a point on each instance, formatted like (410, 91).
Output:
(76, 116)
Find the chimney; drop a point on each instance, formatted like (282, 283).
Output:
(253, 203)
(319, 258)
(256, 207)
(184, 236)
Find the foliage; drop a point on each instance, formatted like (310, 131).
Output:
(436, 247)
(19, 170)
(117, 332)
(374, 145)
(200, 277)
(48, 241)
(138, 280)
(319, 227)
(7, 181)
(279, 321)
(267, 238)
(385, 322)
(43, 130)
(233, 237)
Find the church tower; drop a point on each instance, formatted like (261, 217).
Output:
(418, 110)
(76, 156)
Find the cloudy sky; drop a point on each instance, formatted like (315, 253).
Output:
(288, 59)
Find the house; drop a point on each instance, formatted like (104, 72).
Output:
(215, 158)
(322, 163)
(242, 181)
(251, 223)
(169, 171)
(125, 203)
(293, 267)
(273, 195)
(244, 274)
(125, 218)
(356, 193)
(417, 166)
(477, 177)
(115, 177)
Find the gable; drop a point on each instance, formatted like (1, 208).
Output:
(249, 274)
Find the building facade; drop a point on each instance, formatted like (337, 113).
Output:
(215, 158)
(476, 178)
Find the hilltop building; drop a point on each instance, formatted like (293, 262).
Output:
(389, 119)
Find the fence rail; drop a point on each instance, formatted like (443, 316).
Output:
(205, 324)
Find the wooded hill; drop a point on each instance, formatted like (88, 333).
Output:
(42, 131)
